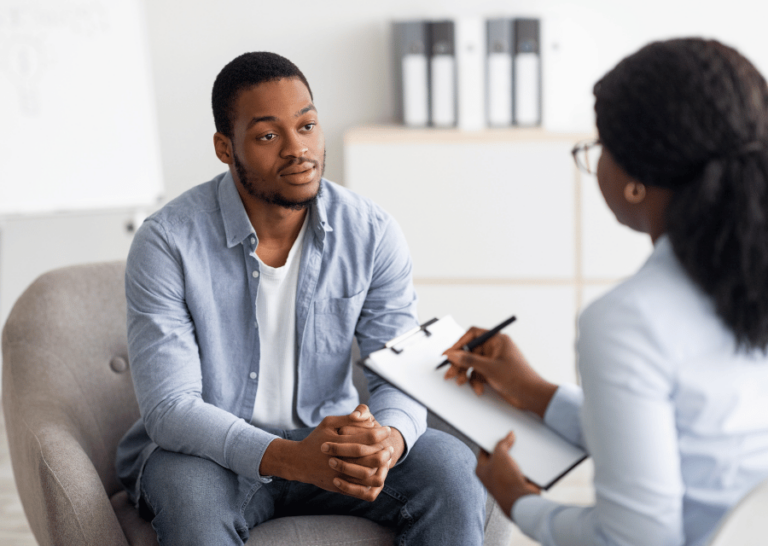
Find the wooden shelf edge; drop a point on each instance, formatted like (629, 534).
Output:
(377, 134)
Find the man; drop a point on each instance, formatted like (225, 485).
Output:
(244, 296)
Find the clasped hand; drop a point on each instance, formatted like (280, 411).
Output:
(349, 454)
(363, 467)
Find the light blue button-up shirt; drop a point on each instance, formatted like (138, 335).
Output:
(676, 419)
(193, 339)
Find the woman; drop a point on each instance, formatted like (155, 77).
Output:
(673, 407)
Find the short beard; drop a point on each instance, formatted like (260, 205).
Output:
(275, 198)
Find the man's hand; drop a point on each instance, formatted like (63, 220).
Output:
(499, 364)
(502, 477)
(364, 474)
(305, 461)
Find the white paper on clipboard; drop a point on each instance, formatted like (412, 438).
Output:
(409, 363)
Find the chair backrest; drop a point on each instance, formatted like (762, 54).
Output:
(65, 362)
(746, 524)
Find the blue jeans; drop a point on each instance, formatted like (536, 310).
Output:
(432, 497)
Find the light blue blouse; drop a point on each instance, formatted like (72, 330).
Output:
(675, 419)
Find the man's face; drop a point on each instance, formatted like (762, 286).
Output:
(278, 145)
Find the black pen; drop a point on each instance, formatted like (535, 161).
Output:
(482, 338)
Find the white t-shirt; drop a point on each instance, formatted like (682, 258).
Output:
(276, 315)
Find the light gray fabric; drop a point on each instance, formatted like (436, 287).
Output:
(68, 399)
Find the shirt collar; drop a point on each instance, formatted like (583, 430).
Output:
(318, 216)
(662, 244)
(662, 250)
(237, 225)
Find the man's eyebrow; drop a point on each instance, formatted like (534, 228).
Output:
(254, 121)
(310, 108)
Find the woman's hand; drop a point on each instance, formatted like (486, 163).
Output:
(499, 364)
(502, 477)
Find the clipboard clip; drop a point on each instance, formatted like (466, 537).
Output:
(396, 343)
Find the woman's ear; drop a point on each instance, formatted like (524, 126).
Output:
(634, 192)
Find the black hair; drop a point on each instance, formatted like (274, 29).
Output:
(691, 115)
(242, 73)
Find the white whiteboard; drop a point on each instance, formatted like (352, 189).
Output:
(78, 128)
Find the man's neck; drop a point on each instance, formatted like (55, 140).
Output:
(276, 228)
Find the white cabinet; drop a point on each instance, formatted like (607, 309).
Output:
(498, 222)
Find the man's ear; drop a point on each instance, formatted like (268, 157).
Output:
(223, 146)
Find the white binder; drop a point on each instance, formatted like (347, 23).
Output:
(411, 72)
(499, 72)
(527, 72)
(442, 67)
(470, 66)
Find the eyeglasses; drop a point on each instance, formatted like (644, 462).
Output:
(586, 154)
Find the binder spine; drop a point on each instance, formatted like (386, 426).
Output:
(499, 72)
(442, 69)
(411, 72)
(527, 72)
(470, 65)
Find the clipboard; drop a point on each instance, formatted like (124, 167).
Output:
(408, 362)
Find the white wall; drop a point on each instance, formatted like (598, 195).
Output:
(343, 48)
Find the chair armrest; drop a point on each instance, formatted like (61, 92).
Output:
(62, 494)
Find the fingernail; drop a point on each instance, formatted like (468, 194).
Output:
(325, 448)
(337, 482)
(334, 463)
(391, 449)
(356, 414)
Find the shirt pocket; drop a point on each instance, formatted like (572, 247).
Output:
(335, 321)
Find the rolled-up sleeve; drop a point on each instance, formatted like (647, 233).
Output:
(166, 367)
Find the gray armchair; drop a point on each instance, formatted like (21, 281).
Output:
(68, 399)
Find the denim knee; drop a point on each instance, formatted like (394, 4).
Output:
(445, 499)
(193, 500)
(450, 467)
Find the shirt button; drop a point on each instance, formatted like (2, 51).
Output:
(255, 274)
(255, 324)
(253, 375)
(253, 240)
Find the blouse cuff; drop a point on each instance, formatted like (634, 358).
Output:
(563, 413)
(530, 512)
